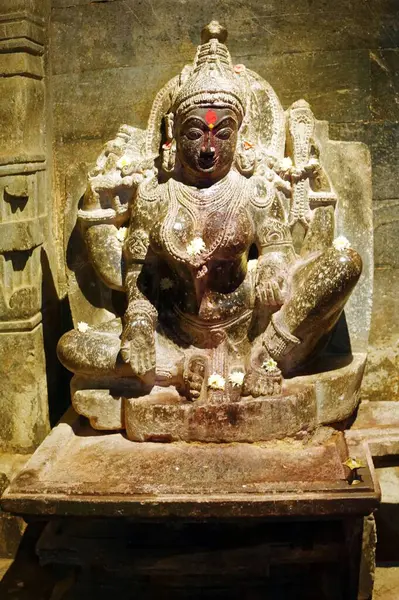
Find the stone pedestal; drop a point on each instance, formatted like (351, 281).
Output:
(297, 493)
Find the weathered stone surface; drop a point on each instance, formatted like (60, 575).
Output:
(11, 531)
(334, 398)
(386, 303)
(376, 416)
(247, 420)
(377, 424)
(386, 582)
(75, 472)
(274, 28)
(11, 527)
(349, 167)
(367, 564)
(381, 379)
(387, 516)
(23, 390)
(27, 289)
(334, 83)
(128, 90)
(75, 93)
(337, 392)
(383, 140)
(386, 234)
(20, 143)
(385, 84)
(104, 411)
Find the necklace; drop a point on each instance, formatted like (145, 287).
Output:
(201, 204)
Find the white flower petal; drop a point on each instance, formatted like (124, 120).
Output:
(216, 382)
(121, 234)
(286, 164)
(236, 378)
(83, 327)
(341, 243)
(270, 365)
(196, 246)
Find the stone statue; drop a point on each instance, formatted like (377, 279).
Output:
(217, 224)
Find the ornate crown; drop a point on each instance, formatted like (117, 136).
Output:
(212, 79)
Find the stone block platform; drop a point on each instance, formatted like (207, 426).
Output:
(78, 471)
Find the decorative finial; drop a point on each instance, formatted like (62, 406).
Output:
(213, 31)
(300, 104)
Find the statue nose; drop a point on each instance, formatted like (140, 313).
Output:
(207, 148)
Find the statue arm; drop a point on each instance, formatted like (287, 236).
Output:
(105, 253)
(276, 254)
(106, 208)
(140, 319)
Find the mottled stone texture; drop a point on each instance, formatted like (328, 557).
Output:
(110, 58)
(25, 255)
(24, 224)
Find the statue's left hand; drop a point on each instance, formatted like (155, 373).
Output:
(271, 286)
(138, 345)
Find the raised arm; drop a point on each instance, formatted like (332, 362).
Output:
(106, 207)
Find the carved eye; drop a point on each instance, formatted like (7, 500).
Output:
(224, 134)
(194, 134)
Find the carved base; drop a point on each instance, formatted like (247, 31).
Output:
(307, 402)
(171, 418)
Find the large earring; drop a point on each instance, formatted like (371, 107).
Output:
(169, 156)
(169, 148)
(246, 157)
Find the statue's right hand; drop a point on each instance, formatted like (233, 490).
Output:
(138, 345)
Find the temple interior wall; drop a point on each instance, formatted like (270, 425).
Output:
(110, 57)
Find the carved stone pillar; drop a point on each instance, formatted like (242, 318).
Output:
(24, 222)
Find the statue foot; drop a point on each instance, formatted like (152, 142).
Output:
(194, 376)
(263, 378)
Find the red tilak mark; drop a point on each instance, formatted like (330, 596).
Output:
(211, 117)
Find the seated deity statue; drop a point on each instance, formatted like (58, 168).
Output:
(217, 225)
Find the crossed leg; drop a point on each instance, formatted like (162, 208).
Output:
(313, 308)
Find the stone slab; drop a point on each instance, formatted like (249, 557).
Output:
(78, 472)
(377, 423)
(386, 582)
(11, 527)
(387, 517)
(23, 391)
(382, 137)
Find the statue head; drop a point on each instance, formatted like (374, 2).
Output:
(206, 140)
(207, 112)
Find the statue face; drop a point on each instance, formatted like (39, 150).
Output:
(206, 142)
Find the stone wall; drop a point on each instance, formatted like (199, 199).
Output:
(110, 57)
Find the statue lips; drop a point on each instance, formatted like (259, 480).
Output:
(207, 161)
